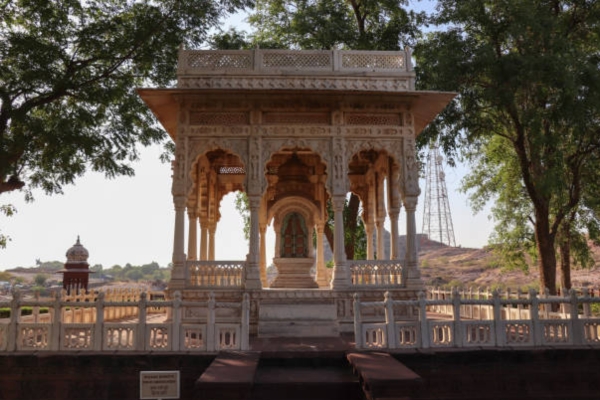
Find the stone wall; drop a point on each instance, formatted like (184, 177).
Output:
(482, 375)
(91, 376)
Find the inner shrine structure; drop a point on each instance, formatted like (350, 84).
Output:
(295, 131)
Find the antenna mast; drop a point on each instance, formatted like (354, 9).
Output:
(437, 220)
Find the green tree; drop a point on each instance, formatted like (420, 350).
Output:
(8, 210)
(148, 269)
(134, 274)
(40, 279)
(68, 74)
(327, 24)
(6, 276)
(528, 81)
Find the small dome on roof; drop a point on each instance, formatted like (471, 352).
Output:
(77, 254)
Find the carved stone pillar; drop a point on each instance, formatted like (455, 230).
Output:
(263, 254)
(380, 219)
(412, 256)
(252, 280)
(370, 231)
(322, 280)
(341, 277)
(192, 236)
(203, 241)
(211, 241)
(394, 208)
(394, 214)
(178, 273)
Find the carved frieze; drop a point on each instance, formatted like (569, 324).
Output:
(296, 118)
(318, 145)
(392, 146)
(305, 131)
(256, 181)
(219, 118)
(339, 182)
(410, 168)
(219, 104)
(219, 131)
(373, 119)
(381, 84)
(373, 131)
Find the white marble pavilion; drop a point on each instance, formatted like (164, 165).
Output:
(294, 130)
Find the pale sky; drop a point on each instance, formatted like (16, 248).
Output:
(131, 219)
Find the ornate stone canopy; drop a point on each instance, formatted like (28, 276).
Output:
(296, 131)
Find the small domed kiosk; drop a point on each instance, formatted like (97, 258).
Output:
(76, 272)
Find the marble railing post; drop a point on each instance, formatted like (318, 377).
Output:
(341, 277)
(252, 280)
(192, 236)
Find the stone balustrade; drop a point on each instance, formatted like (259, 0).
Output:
(264, 61)
(528, 325)
(376, 273)
(53, 333)
(215, 274)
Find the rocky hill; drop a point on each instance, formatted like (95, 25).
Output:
(442, 265)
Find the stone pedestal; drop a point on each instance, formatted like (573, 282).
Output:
(298, 320)
(294, 273)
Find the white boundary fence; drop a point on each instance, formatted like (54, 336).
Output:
(495, 325)
(53, 333)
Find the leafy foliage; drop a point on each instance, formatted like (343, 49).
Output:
(528, 110)
(326, 24)
(146, 272)
(8, 210)
(68, 74)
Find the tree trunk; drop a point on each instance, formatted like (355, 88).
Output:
(565, 256)
(546, 252)
(350, 225)
(329, 236)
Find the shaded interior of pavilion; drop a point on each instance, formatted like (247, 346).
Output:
(296, 207)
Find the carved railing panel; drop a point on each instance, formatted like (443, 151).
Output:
(77, 337)
(119, 336)
(512, 321)
(159, 337)
(33, 337)
(215, 274)
(265, 61)
(136, 334)
(376, 273)
(374, 336)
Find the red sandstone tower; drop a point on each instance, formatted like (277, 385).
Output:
(76, 272)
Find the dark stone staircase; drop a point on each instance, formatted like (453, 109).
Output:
(304, 376)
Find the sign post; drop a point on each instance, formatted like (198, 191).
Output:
(159, 385)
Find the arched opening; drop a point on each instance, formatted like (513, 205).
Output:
(295, 202)
(215, 174)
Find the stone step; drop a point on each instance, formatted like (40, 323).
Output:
(306, 378)
(229, 377)
(384, 377)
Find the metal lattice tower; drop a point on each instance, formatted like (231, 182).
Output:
(437, 220)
